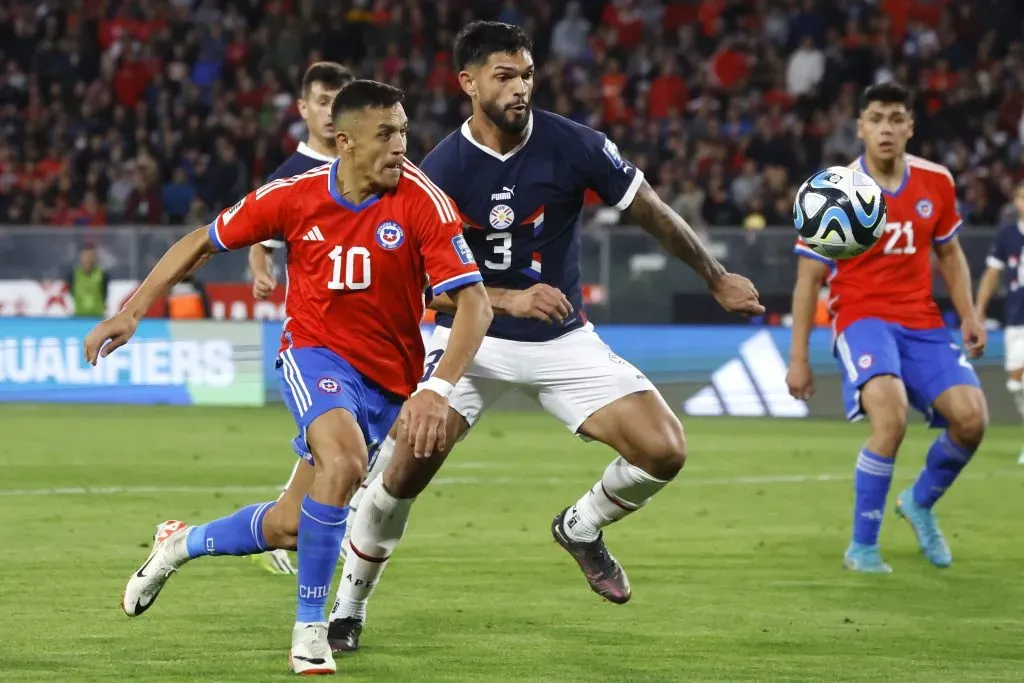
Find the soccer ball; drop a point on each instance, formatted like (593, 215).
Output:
(839, 212)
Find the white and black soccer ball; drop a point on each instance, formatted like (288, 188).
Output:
(839, 212)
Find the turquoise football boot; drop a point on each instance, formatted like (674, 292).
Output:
(865, 558)
(922, 521)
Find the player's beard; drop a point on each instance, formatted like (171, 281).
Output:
(507, 120)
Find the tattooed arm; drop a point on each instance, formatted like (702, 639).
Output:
(733, 292)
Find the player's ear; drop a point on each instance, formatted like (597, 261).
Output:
(303, 108)
(468, 83)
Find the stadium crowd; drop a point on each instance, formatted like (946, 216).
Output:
(163, 111)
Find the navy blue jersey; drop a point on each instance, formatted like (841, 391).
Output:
(1007, 253)
(302, 159)
(521, 210)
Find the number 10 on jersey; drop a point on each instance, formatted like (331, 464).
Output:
(348, 265)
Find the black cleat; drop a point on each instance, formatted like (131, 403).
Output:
(343, 634)
(603, 572)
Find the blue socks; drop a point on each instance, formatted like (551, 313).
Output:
(942, 466)
(240, 533)
(871, 487)
(321, 529)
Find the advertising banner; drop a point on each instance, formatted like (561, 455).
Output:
(51, 298)
(182, 363)
(730, 370)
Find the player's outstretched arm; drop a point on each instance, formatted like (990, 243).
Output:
(539, 302)
(263, 281)
(182, 258)
(733, 292)
(810, 276)
(957, 276)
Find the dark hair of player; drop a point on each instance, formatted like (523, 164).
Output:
(885, 93)
(479, 40)
(330, 76)
(365, 94)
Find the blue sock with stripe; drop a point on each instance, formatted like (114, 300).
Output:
(240, 533)
(943, 465)
(871, 482)
(321, 529)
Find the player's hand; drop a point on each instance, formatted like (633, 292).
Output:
(737, 294)
(116, 330)
(540, 302)
(975, 336)
(263, 285)
(800, 380)
(423, 420)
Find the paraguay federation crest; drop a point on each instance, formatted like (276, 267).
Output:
(502, 216)
(390, 235)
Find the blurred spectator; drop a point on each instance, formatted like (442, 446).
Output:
(806, 68)
(177, 197)
(569, 39)
(88, 284)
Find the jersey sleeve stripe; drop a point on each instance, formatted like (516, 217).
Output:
(994, 263)
(942, 239)
(443, 212)
(441, 203)
(801, 250)
(445, 199)
(634, 187)
(215, 235)
(456, 282)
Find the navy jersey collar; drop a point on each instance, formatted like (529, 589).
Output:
(307, 151)
(468, 134)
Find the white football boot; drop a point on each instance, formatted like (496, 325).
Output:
(170, 551)
(311, 653)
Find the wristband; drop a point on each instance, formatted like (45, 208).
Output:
(439, 386)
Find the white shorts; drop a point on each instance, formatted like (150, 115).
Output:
(572, 376)
(1014, 340)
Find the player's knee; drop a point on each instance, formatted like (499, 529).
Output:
(884, 399)
(281, 527)
(661, 452)
(968, 424)
(341, 470)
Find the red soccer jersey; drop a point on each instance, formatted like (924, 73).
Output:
(893, 279)
(356, 273)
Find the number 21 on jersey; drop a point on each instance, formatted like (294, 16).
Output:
(351, 268)
(900, 238)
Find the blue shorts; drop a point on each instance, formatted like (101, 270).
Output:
(927, 361)
(315, 380)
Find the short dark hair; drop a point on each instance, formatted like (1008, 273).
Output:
(330, 75)
(885, 93)
(365, 94)
(478, 40)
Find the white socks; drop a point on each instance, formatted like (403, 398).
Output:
(376, 467)
(623, 489)
(377, 528)
(1016, 389)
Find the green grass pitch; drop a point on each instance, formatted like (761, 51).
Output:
(735, 567)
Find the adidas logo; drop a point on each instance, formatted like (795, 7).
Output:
(749, 386)
(314, 235)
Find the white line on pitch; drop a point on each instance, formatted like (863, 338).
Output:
(455, 481)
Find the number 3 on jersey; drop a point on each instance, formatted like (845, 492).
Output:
(347, 266)
(502, 248)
